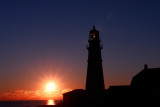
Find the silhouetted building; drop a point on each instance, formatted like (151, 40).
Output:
(146, 85)
(94, 94)
(95, 82)
(119, 93)
(143, 91)
(74, 98)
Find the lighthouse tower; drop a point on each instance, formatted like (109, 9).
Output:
(95, 81)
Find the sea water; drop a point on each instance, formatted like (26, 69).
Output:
(30, 103)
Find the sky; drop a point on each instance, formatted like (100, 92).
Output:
(45, 40)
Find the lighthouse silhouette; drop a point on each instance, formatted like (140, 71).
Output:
(95, 88)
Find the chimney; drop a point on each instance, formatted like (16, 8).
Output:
(145, 67)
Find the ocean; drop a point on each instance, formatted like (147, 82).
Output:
(30, 103)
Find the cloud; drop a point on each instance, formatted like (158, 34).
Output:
(32, 95)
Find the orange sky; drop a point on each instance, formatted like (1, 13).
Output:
(32, 95)
(35, 88)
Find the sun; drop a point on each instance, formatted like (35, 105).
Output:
(50, 87)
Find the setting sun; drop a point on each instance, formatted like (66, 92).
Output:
(50, 87)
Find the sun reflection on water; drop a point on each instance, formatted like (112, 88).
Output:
(50, 102)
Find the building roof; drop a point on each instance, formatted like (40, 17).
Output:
(118, 89)
(121, 92)
(76, 91)
(148, 76)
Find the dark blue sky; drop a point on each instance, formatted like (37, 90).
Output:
(39, 37)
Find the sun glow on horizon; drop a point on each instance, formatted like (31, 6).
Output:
(50, 87)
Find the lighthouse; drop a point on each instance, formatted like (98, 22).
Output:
(95, 81)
